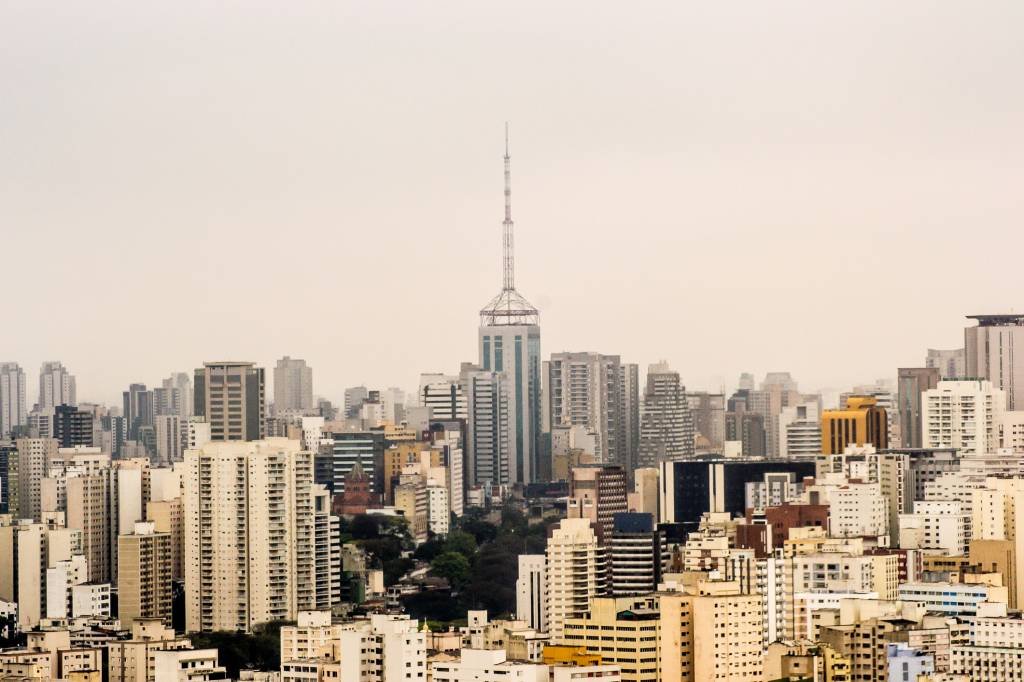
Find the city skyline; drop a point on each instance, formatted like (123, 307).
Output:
(715, 222)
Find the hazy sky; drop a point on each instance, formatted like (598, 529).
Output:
(819, 187)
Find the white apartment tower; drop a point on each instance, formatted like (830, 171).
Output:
(56, 386)
(13, 401)
(962, 414)
(575, 568)
(391, 649)
(250, 534)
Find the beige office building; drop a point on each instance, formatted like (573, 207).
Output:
(250, 534)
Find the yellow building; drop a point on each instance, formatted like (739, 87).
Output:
(861, 422)
(399, 455)
(167, 517)
(561, 654)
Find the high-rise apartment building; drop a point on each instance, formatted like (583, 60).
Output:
(861, 422)
(911, 383)
(293, 386)
(231, 396)
(594, 391)
(666, 425)
(168, 430)
(250, 534)
(56, 386)
(509, 344)
(13, 398)
(576, 571)
(89, 509)
(177, 396)
(962, 414)
(991, 350)
(32, 457)
(144, 573)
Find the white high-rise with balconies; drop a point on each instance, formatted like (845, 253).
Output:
(13, 401)
(250, 534)
(575, 569)
(963, 414)
(56, 386)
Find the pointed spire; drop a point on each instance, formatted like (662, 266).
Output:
(508, 247)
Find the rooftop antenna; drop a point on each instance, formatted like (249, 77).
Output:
(509, 271)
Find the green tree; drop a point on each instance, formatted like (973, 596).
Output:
(452, 566)
(462, 542)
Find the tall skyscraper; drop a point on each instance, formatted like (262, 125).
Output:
(231, 396)
(594, 390)
(666, 425)
(13, 401)
(912, 382)
(250, 534)
(293, 386)
(509, 343)
(56, 386)
(990, 349)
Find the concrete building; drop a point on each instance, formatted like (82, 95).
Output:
(912, 382)
(444, 396)
(56, 386)
(293, 386)
(178, 389)
(666, 424)
(13, 398)
(644, 498)
(32, 455)
(144, 574)
(250, 534)
(800, 430)
(23, 553)
(89, 509)
(990, 352)
(637, 555)
(168, 430)
(133, 660)
(231, 396)
(187, 665)
(484, 665)
(964, 415)
(634, 646)
(593, 390)
(952, 364)
(575, 568)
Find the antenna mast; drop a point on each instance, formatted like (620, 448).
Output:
(508, 249)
